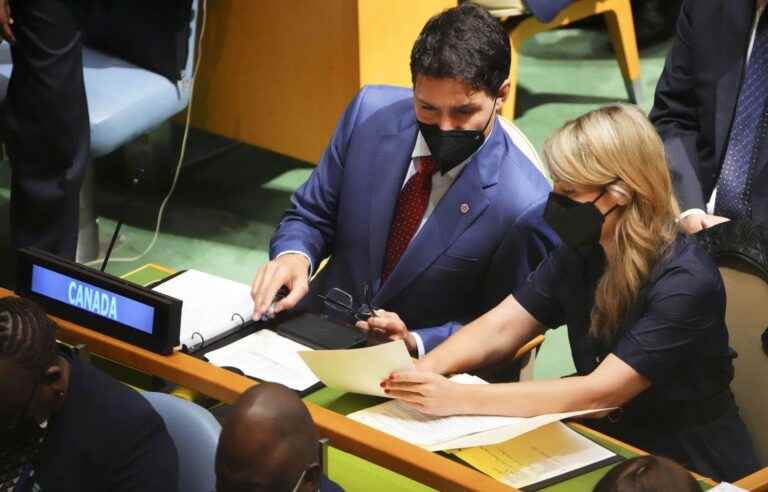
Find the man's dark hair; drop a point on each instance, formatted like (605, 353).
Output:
(647, 474)
(27, 336)
(464, 43)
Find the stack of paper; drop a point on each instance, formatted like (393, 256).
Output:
(267, 356)
(212, 308)
(460, 431)
(538, 458)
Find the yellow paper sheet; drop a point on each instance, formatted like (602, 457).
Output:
(544, 453)
(359, 370)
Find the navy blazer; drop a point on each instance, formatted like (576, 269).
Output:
(346, 208)
(696, 100)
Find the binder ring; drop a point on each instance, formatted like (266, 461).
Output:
(202, 340)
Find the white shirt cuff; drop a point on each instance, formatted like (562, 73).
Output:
(419, 344)
(691, 211)
(296, 252)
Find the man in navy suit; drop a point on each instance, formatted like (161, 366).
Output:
(710, 110)
(422, 196)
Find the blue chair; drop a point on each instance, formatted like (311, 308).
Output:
(196, 434)
(124, 102)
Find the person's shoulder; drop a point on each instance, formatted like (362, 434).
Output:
(106, 398)
(520, 168)
(380, 108)
(522, 188)
(688, 267)
(373, 98)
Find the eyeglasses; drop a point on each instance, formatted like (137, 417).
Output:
(341, 304)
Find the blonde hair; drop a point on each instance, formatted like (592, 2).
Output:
(617, 148)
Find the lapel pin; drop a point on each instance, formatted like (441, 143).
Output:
(464, 208)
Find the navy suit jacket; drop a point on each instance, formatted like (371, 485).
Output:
(443, 279)
(696, 100)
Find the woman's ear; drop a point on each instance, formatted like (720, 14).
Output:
(620, 193)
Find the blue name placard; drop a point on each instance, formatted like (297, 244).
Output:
(87, 297)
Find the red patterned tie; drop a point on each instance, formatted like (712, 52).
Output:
(411, 206)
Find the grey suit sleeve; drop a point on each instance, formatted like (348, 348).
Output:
(674, 115)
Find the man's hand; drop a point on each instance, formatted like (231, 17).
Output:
(386, 327)
(290, 270)
(6, 21)
(694, 223)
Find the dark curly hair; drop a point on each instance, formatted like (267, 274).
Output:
(464, 43)
(27, 336)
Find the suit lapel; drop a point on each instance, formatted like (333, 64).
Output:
(737, 16)
(464, 202)
(386, 180)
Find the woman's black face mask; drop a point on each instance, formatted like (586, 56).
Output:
(578, 224)
(450, 148)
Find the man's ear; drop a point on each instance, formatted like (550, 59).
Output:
(502, 95)
(313, 477)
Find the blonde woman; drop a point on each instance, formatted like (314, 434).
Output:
(644, 306)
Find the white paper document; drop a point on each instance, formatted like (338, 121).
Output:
(543, 454)
(359, 370)
(267, 356)
(212, 306)
(726, 487)
(459, 431)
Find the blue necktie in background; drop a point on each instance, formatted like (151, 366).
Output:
(733, 185)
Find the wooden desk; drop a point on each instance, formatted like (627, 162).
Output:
(278, 74)
(389, 452)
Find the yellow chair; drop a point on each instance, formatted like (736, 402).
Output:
(747, 316)
(618, 18)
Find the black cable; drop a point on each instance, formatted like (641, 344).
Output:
(134, 181)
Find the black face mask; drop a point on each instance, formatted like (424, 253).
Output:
(452, 147)
(578, 224)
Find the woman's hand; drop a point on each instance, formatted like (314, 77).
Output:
(428, 392)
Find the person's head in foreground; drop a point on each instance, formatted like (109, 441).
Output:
(33, 383)
(612, 188)
(647, 474)
(268, 443)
